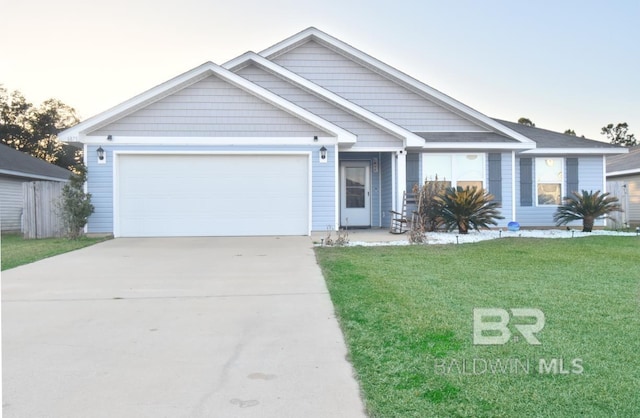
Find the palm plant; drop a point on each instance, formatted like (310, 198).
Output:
(469, 207)
(586, 205)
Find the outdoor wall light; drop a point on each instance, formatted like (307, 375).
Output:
(101, 155)
(315, 138)
(323, 154)
(109, 137)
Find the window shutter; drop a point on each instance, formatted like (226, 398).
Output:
(495, 175)
(572, 176)
(526, 182)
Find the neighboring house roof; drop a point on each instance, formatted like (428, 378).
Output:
(619, 165)
(16, 163)
(553, 142)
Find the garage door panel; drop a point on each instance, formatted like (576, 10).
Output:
(216, 195)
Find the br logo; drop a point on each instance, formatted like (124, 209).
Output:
(484, 319)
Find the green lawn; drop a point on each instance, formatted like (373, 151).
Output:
(16, 251)
(407, 315)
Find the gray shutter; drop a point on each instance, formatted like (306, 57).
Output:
(495, 175)
(413, 171)
(572, 176)
(526, 182)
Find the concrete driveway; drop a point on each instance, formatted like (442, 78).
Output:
(175, 327)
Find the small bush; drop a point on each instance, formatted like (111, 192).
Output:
(75, 205)
(586, 206)
(468, 207)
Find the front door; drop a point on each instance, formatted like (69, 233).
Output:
(355, 193)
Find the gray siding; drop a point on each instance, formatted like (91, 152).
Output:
(371, 90)
(210, 107)
(100, 183)
(10, 204)
(368, 135)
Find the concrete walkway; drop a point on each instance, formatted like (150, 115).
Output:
(180, 327)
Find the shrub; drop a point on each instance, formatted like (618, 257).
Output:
(469, 207)
(429, 210)
(585, 206)
(75, 205)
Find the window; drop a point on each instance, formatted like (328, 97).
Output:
(455, 169)
(549, 178)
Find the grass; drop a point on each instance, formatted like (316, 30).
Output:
(406, 313)
(16, 251)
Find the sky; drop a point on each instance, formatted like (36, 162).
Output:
(562, 64)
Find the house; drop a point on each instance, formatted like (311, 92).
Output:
(16, 167)
(308, 135)
(623, 181)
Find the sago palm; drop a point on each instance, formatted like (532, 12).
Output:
(586, 206)
(469, 207)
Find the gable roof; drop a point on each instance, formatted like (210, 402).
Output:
(78, 132)
(618, 165)
(16, 163)
(549, 141)
(313, 34)
(411, 139)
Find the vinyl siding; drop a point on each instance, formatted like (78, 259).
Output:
(590, 171)
(507, 194)
(101, 185)
(386, 187)
(371, 90)
(368, 135)
(210, 108)
(10, 204)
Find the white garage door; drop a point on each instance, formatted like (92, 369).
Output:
(211, 195)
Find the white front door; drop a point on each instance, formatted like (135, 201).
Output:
(355, 193)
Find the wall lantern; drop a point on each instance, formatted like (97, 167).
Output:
(323, 154)
(101, 155)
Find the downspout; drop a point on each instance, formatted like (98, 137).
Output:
(513, 186)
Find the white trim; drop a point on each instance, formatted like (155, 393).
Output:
(379, 189)
(478, 145)
(565, 151)
(401, 156)
(85, 186)
(32, 176)
(310, 192)
(393, 183)
(336, 184)
(190, 77)
(454, 167)
(513, 187)
(409, 138)
(202, 140)
(361, 163)
(562, 182)
(385, 69)
(604, 183)
(116, 177)
(622, 172)
(373, 149)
